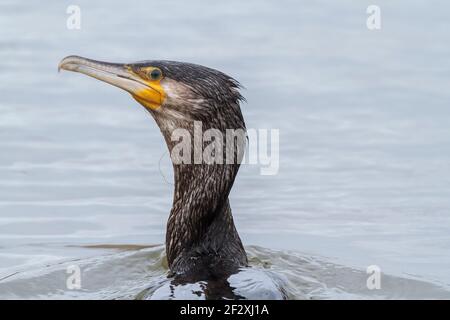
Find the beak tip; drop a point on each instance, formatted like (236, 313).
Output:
(70, 61)
(61, 64)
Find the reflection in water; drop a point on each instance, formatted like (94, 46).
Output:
(220, 289)
(248, 283)
(141, 274)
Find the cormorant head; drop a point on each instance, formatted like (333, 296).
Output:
(170, 90)
(178, 95)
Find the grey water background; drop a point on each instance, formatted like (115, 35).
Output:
(364, 121)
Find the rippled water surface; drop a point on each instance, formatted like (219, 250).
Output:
(364, 175)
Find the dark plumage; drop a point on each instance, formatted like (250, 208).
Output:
(202, 242)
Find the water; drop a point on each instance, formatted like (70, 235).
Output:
(364, 175)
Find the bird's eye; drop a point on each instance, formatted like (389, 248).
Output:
(155, 74)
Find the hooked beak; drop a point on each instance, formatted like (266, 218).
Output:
(148, 93)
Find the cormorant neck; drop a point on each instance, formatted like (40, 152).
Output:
(201, 240)
(200, 229)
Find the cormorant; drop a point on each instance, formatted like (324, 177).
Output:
(202, 243)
